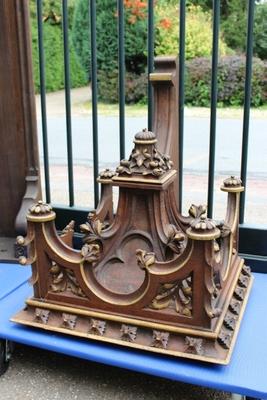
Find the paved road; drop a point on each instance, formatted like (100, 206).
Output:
(196, 145)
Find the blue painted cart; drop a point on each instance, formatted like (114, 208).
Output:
(246, 374)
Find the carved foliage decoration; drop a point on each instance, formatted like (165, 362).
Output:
(42, 315)
(176, 240)
(97, 327)
(229, 322)
(235, 306)
(145, 259)
(90, 252)
(224, 339)
(128, 333)
(160, 339)
(194, 345)
(145, 158)
(69, 320)
(197, 211)
(63, 279)
(176, 296)
(92, 229)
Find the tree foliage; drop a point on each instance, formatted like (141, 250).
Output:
(198, 39)
(53, 49)
(107, 34)
(260, 31)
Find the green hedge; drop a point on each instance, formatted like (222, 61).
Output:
(135, 87)
(231, 83)
(53, 49)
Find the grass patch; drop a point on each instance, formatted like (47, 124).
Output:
(134, 110)
(140, 110)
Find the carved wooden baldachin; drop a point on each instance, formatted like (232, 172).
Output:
(146, 277)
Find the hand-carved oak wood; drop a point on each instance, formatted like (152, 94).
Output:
(146, 277)
(152, 279)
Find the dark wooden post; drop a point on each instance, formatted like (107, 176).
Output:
(19, 162)
(165, 123)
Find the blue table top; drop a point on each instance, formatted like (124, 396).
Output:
(246, 374)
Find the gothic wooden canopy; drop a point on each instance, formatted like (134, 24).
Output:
(148, 277)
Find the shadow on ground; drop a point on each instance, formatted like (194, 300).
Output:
(41, 375)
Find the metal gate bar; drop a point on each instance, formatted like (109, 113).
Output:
(68, 99)
(150, 65)
(181, 97)
(43, 98)
(121, 43)
(94, 97)
(213, 104)
(249, 55)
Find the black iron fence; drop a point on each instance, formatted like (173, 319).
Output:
(252, 238)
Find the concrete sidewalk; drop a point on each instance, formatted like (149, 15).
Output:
(40, 375)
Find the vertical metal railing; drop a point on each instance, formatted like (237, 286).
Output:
(247, 101)
(181, 97)
(121, 80)
(94, 97)
(150, 62)
(121, 77)
(213, 104)
(39, 6)
(68, 99)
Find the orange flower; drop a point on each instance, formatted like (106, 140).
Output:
(165, 23)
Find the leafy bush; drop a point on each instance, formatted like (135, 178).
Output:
(234, 25)
(107, 34)
(198, 40)
(231, 81)
(135, 87)
(53, 49)
(260, 31)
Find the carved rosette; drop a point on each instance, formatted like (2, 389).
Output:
(232, 184)
(160, 339)
(128, 332)
(41, 212)
(69, 321)
(194, 345)
(233, 313)
(145, 158)
(106, 175)
(42, 315)
(224, 339)
(203, 228)
(97, 327)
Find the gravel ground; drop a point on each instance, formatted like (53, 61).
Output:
(41, 375)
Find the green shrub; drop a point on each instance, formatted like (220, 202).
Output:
(107, 34)
(260, 31)
(234, 25)
(135, 87)
(231, 81)
(53, 49)
(198, 40)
